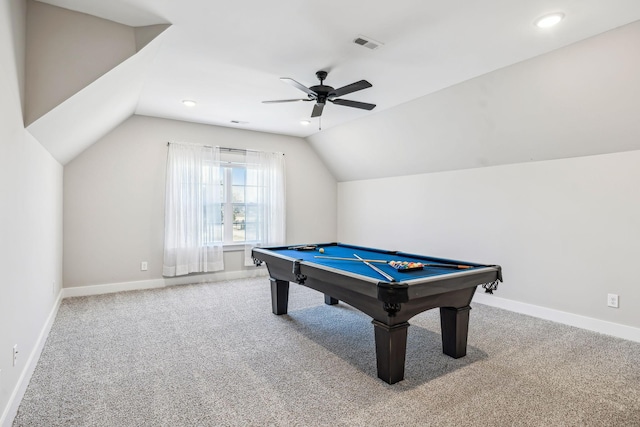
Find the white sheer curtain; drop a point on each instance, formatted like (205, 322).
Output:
(192, 209)
(266, 170)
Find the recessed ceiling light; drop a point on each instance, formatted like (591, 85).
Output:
(305, 122)
(549, 20)
(189, 103)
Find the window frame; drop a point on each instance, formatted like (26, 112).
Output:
(227, 204)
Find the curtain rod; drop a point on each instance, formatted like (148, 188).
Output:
(237, 150)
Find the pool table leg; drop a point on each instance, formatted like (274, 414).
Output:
(329, 300)
(279, 296)
(391, 349)
(455, 328)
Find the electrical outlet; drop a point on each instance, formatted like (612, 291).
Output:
(612, 300)
(15, 354)
(143, 266)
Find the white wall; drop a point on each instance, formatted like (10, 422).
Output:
(566, 232)
(30, 223)
(114, 198)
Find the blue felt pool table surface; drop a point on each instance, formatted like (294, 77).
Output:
(359, 267)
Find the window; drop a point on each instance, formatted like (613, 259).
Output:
(213, 200)
(235, 219)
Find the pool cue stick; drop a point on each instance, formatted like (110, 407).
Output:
(459, 267)
(302, 247)
(381, 261)
(386, 276)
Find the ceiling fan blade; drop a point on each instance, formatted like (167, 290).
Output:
(317, 110)
(284, 100)
(354, 104)
(353, 87)
(299, 86)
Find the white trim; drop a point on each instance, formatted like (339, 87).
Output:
(108, 288)
(11, 410)
(602, 326)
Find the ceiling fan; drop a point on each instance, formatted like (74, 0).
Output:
(322, 93)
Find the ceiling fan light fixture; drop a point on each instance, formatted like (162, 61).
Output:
(189, 102)
(549, 20)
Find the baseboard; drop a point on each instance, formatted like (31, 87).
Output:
(602, 326)
(6, 420)
(161, 283)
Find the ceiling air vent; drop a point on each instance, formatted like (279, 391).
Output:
(367, 42)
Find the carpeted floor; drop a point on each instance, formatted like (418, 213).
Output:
(215, 355)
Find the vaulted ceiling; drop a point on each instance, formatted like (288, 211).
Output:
(145, 57)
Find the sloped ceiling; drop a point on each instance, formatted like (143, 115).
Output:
(84, 76)
(88, 115)
(229, 56)
(579, 100)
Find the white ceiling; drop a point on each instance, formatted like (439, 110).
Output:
(229, 55)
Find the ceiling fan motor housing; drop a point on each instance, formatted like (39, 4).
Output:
(322, 90)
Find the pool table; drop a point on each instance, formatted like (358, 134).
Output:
(390, 296)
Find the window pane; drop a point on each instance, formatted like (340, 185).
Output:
(238, 235)
(251, 194)
(238, 213)
(238, 223)
(251, 213)
(237, 194)
(238, 176)
(240, 195)
(251, 230)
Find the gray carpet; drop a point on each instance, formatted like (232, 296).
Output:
(214, 355)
